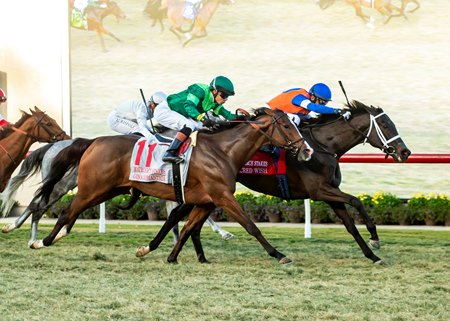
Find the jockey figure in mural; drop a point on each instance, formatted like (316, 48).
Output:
(80, 7)
(131, 117)
(191, 9)
(303, 104)
(187, 111)
(3, 99)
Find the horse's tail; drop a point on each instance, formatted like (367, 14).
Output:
(30, 166)
(67, 159)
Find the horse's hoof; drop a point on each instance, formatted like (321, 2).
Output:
(379, 262)
(172, 260)
(142, 250)
(7, 228)
(227, 236)
(286, 261)
(36, 245)
(375, 244)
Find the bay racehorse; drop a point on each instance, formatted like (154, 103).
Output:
(317, 179)
(16, 139)
(41, 160)
(174, 12)
(384, 7)
(95, 16)
(104, 169)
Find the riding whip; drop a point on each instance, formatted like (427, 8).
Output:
(345, 94)
(150, 114)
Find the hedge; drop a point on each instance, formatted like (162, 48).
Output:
(383, 208)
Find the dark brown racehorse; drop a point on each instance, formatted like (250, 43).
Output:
(174, 12)
(104, 169)
(16, 139)
(95, 16)
(318, 179)
(384, 7)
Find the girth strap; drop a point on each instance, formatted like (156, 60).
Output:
(177, 185)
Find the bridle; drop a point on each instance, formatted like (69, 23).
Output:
(386, 148)
(289, 145)
(389, 150)
(34, 138)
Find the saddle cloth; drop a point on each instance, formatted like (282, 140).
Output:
(265, 164)
(146, 163)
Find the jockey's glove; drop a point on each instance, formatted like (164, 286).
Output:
(209, 123)
(346, 114)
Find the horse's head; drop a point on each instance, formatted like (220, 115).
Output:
(323, 4)
(381, 132)
(43, 128)
(282, 132)
(114, 9)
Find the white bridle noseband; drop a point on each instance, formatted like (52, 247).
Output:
(384, 141)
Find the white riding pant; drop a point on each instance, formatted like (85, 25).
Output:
(173, 120)
(123, 125)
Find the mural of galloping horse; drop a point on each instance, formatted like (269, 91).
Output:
(16, 139)
(317, 179)
(95, 18)
(384, 7)
(211, 181)
(174, 12)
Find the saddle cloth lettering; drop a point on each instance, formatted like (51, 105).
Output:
(264, 164)
(146, 163)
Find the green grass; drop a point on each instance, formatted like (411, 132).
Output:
(88, 276)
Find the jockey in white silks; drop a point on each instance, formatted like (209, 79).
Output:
(191, 9)
(131, 117)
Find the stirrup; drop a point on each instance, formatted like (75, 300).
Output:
(170, 158)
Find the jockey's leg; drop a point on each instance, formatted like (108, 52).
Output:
(171, 154)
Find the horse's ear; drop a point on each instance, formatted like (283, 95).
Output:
(37, 109)
(261, 111)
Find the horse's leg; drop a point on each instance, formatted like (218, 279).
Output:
(175, 216)
(359, 12)
(67, 183)
(374, 240)
(231, 206)
(415, 2)
(176, 33)
(170, 206)
(102, 41)
(217, 229)
(196, 219)
(195, 236)
(18, 222)
(341, 212)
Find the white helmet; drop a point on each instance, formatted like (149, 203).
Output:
(158, 97)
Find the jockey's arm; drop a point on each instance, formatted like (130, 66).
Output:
(222, 111)
(304, 102)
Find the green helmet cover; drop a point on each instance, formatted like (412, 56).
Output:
(222, 83)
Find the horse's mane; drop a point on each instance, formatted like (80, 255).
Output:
(356, 107)
(6, 130)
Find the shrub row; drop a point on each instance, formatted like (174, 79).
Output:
(384, 208)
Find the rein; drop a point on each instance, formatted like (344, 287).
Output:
(34, 138)
(273, 140)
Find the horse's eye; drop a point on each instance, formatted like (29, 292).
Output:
(286, 126)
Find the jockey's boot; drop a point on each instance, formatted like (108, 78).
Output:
(171, 155)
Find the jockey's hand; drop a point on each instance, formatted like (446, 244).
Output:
(242, 112)
(345, 113)
(313, 114)
(210, 123)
